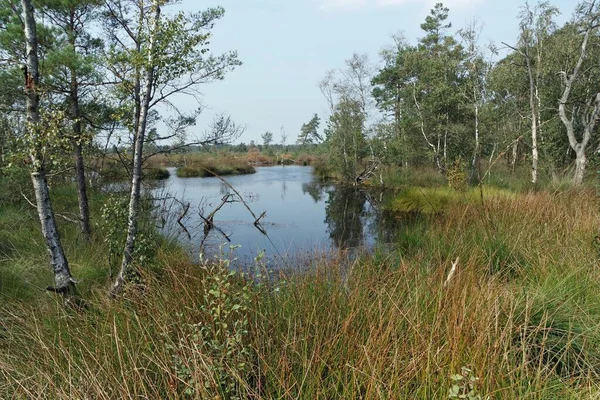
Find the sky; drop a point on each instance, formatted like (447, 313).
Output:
(287, 46)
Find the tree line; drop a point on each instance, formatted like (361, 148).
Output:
(449, 97)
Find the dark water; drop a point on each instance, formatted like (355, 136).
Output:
(302, 216)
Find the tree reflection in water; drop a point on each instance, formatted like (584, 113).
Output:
(355, 217)
(346, 211)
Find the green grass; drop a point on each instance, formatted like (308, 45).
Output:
(521, 312)
(398, 177)
(435, 200)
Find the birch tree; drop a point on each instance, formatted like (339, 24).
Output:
(581, 116)
(536, 26)
(349, 94)
(476, 72)
(63, 282)
(156, 56)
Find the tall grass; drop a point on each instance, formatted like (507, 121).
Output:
(438, 199)
(214, 166)
(520, 312)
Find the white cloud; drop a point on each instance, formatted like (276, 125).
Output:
(356, 4)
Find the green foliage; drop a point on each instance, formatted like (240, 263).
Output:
(114, 225)
(346, 137)
(14, 182)
(456, 176)
(221, 338)
(114, 214)
(267, 138)
(323, 169)
(464, 386)
(309, 132)
(48, 141)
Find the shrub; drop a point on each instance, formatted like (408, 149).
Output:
(157, 174)
(456, 176)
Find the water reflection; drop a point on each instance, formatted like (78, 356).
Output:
(314, 189)
(345, 212)
(302, 214)
(284, 189)
(352, 215)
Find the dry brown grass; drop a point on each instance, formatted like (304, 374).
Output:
(521, 312)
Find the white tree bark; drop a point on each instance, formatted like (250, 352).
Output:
(590, 114)
(134, 199)
(62, 275)
(534, 119)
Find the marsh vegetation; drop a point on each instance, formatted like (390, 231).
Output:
(449, 195)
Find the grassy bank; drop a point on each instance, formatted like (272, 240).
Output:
(518, 318)
(435, 200)
(214, 167)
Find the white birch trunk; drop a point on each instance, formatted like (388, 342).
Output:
(580, 164)
(134, 199)
(589, 121)
(534, 121)
(63, 282)
(475, 162)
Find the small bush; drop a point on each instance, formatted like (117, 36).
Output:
(14, 181)
(157, 174)
(322, 169)
(456, 176)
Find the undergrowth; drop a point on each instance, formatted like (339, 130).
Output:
(516, 319)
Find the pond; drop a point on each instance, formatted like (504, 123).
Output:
(302, 216)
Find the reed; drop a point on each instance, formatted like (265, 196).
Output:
(516, 320)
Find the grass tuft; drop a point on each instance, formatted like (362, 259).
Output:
(211, 166)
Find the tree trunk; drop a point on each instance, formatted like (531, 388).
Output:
(534, 151)
(62, 275)
(475, 162)
(84, 214)
(534, 120)
(515, 154)
(63, 281)
(580, 164)
(134, 199)
(446, 140)
(594, 113)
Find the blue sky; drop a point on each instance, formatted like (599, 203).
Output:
(288, 45)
